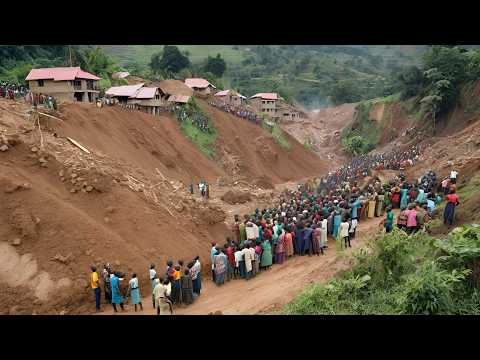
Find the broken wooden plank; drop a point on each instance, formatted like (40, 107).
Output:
(78, 145)
(159, 172)
(54, 117)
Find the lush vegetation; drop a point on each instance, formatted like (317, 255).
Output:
(197, 127)
(276, 131)
(313, 75)
(362, 135)
(436, 84)
(401, 274)
(18, 60)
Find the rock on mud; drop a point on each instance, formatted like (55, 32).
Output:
(236, 197)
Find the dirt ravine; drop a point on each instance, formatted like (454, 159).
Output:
(269, 291)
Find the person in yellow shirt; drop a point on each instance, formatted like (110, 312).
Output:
(95, 286)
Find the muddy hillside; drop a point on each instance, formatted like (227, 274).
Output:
(85, 185)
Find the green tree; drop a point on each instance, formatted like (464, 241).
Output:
(344, 92)
(356, 145)
(98, 62)
(216, 65)
(170, 60)
(411, 80)
(451, 62)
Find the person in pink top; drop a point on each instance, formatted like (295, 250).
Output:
(411, 219)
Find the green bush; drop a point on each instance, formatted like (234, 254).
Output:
(430, 290)
(357, 145)
(402, 274)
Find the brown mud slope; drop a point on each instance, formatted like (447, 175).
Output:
(322, 129)
(257, 155)
(62, 209)
(136, 138)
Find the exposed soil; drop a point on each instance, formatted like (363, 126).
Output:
(125, 202)
(322, 129)
(268, 292)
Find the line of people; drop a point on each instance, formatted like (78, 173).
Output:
(238, 111)
(179, 285)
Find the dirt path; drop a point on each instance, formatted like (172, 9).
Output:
(270, 290)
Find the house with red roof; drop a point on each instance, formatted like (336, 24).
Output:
(64, 83)
(139, 97)
(276, 107)
(231, 97)
(200, 85)
(266, 103)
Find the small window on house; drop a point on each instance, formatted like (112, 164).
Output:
(40, 83)
(157, 96)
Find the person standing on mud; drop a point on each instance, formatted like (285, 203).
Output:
(106, 283)
(117, 298)
(449, 212)
(196, 274)
(152, 277)
(213, 252)
(186, 285)
(135, 292)
(96, 287)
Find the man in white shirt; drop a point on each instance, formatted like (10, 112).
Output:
(247, 257)
(250, 230)
(353, 228)
(453, 176)
(152, 277)
(238, 258)
(254, 261)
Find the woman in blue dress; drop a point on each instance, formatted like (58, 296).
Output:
(135, 292)
(117, 297)
(337, 219)
(404, 197)
(421, 198)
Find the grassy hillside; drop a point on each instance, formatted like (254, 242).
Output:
(306, 73)
(197, 53)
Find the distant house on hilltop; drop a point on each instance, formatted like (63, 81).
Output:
(266, 103)
(64, 83)
(275, 106)
(231, 97)
(147, 99)
(200, 85)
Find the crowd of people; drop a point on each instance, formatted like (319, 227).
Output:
(300, 224)
(239, 111)
(178, 285)
(12, 91)
(333, 207)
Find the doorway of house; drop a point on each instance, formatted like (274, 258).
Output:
(79, 96)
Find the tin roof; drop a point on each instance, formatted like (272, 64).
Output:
(126, 90)
(266, 96)
(60, 74)
(226, 92)
(198, 83)
(179, 98)
(145, 93)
